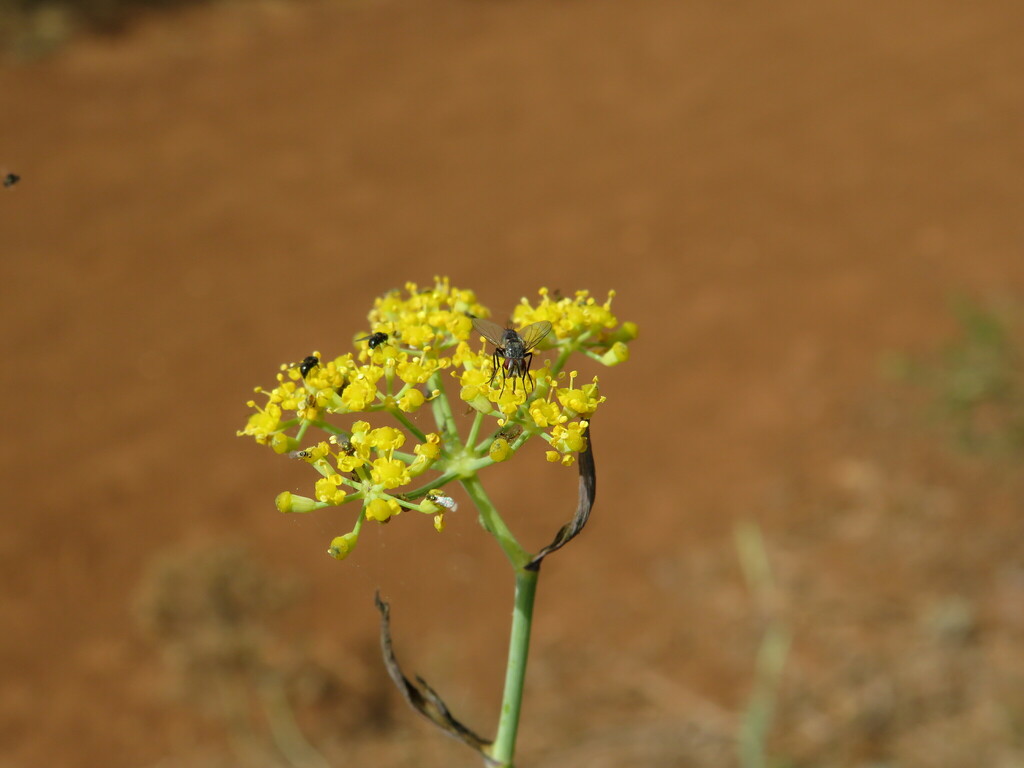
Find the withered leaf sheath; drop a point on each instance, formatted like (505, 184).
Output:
(585, 502)
(420, 695)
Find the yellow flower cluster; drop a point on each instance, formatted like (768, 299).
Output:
(580, 319)
(429, 317)
(418, 339)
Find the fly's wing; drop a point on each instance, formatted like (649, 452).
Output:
(533, 333)
(490, 331)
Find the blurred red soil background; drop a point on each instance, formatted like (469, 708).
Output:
(781, 194)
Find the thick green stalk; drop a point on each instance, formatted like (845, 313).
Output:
(504, 747)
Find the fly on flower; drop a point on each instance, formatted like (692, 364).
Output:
(374, 340)
(308, 365)
(513, 348)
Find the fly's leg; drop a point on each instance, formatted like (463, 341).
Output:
(494, 367)
(504, 371)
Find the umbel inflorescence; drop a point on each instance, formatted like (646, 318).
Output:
(355, 418)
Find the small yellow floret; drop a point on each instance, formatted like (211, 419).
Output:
(569, 437)
(390, 473)
(359, 394)
(262, 425)
(411, 401)
(328, 490)
(386, 438)
(319, 451)
(426, 455)
(350, 462)
(583, 400)
(415, 372)
(382, 510)
(544, 413)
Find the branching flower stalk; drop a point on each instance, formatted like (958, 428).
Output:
(421, 344)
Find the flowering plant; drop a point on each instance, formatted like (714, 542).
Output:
(323, 411)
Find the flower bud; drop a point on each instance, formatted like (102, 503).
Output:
(289, 502)
(626, 332)
(619, 353)
(282, 443)
(341, 546)
(476, 400)
(499, 450)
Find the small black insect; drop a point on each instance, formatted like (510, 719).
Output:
(513, 348)
(308, 365)
(510, 433)
(10, 179)
(374, 340)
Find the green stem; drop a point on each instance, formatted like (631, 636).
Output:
(443, 412)
(475, 429)
(565, 354)
(359, 522)
(416, 431)
(437, 482)
(493, 524)
(327, 427)
(504, 747)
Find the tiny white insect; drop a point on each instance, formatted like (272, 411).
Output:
(445, 501)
